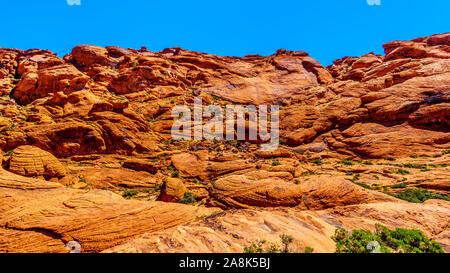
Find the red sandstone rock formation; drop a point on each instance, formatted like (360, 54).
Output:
(105, 114)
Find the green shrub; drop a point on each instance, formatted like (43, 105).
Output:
(399, 240)
(389, 159)
(415, 166)
(363, 185)
(399, 186)
(355, 178)
(419, 195)
(129, 193)
(276, 163)
(263, 247)
(260, 247)
(272, 248)
(445, 152)
(402, 171)
(352, 243)
(175, 174)
(317, 162)
(188, 198)
(309, 249)
(347, 162)
(438, 166)
(255, 248)
(286, 240)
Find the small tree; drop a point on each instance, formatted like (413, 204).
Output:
(286, 240)
(309, 249)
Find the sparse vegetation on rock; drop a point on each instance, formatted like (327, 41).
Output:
(399, 240)
(357, 139)
(419, 195)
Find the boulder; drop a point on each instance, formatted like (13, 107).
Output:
(140, 165)
(256, 189)
(173, 190)
(85, 56)
(189, 165)
(28, 160)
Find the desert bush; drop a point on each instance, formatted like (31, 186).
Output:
(175, 174)
(399, 186)
(129, 193)
(317, 162)
(363, 185)
(419, 195)
(188, 198)
(399, 240)
(263, 246)
(415, 166)
(402, 171)
(286, 240)
(347, 162)
(309, 249)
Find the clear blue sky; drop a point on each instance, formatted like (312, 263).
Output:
(327, 29)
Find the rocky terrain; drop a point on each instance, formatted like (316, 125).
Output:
(87, 153)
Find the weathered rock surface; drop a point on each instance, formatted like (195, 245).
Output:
(31, 161)
(351, 106)
(189, 165)
(40, 216)
(353, 136)
(232, 231)
(256, 189)
(42, 72)
(140, 165)
(112, 178)
(402, 97)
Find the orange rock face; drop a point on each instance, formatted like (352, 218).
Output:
(31, 161)
(251, 189)
(231, 232)
(97, 219)
(363, 141)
